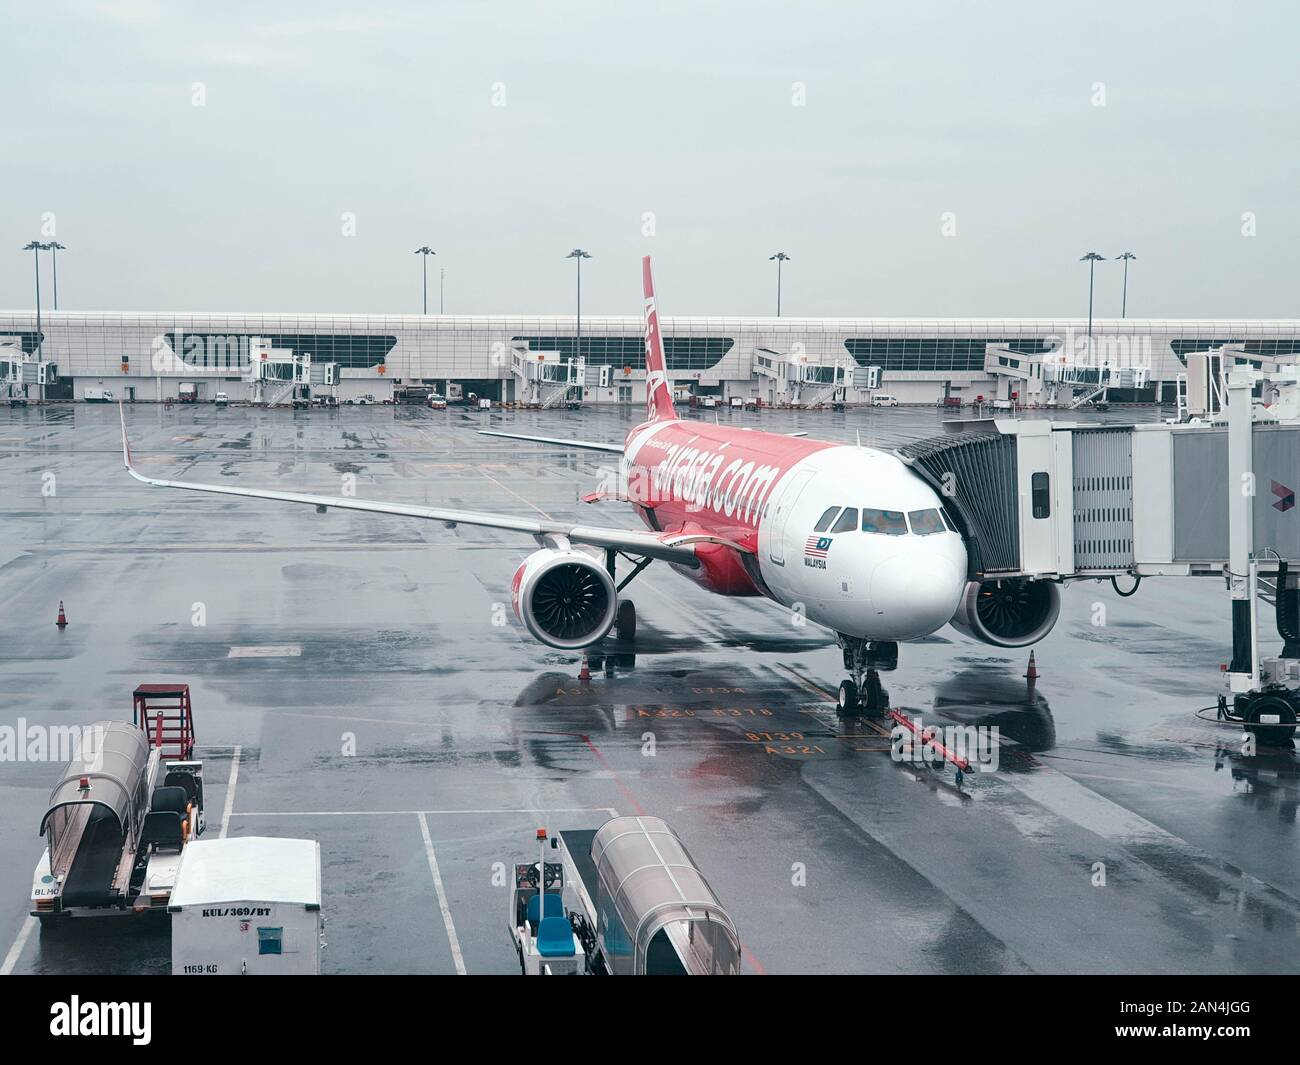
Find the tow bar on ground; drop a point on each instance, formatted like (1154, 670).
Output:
(928, 737)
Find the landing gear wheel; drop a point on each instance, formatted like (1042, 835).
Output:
(847, 703)
(625, 621)
(1271, 720)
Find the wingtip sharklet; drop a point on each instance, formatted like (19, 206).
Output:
(126, 444)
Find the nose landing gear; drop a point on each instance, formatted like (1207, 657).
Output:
(861, 692)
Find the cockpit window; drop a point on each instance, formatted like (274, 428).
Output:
(889, 522)
(926, 522)
(848, 521)
(824, 522)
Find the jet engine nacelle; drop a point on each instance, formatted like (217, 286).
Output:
(566, 599)
(1012, 612)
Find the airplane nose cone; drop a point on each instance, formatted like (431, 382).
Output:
(916, 596)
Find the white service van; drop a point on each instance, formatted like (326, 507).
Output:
(882, 400)
(98, 395)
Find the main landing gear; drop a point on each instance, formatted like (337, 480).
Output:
(861, 692)
(625, 618)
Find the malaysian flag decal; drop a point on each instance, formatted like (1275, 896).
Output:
(817, 546)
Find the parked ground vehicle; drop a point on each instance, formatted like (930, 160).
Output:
(737, 403)
(124, 810)
(187, 392)
(437, 402)
(247, 905)
(221, 399)
(880, 399)
(364, 401)
(98, 395)
(624, 899)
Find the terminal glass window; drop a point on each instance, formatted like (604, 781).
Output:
(933, 353)
(824, 522)
(680, 353)
(1266, 348)
(925, 522)
(848, 521)
(889, 522)
(230, 351)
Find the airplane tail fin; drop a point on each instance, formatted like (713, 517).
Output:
(658, 391)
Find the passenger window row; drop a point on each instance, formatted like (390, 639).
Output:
(886, 522)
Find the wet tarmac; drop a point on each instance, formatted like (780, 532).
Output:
(361, 680)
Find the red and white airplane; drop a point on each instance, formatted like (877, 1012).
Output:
(849, 536)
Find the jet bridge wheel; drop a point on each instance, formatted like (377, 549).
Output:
(1279, 729)
(625, 621)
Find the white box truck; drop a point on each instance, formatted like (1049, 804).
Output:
(247, 905)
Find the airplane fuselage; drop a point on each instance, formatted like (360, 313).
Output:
(847, 536)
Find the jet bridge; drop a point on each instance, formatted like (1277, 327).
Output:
(1065, 501)
(798, 379)
(1041, 502)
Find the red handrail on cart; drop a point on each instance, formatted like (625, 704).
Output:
(166, 715)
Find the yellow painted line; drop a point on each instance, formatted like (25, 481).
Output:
(511, 491)
(815, 689)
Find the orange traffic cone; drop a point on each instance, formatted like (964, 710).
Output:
(584, 674)
(1032, 674)
(62, 621)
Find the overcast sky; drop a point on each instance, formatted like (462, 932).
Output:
(710, 135)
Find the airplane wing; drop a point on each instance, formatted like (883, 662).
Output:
(585, 445)
(667, 547)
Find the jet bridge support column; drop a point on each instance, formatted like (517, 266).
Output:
(1243, 672)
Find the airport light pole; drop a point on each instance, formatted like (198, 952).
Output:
(37, 247)
(779, 258)
(425, 251)
(579, 254)
(442, 284)
(1123, 313)
(1092, 259)
(54, 247)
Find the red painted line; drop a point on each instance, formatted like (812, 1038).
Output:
(600, 758)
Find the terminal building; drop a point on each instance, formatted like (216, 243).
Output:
(540, 360)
